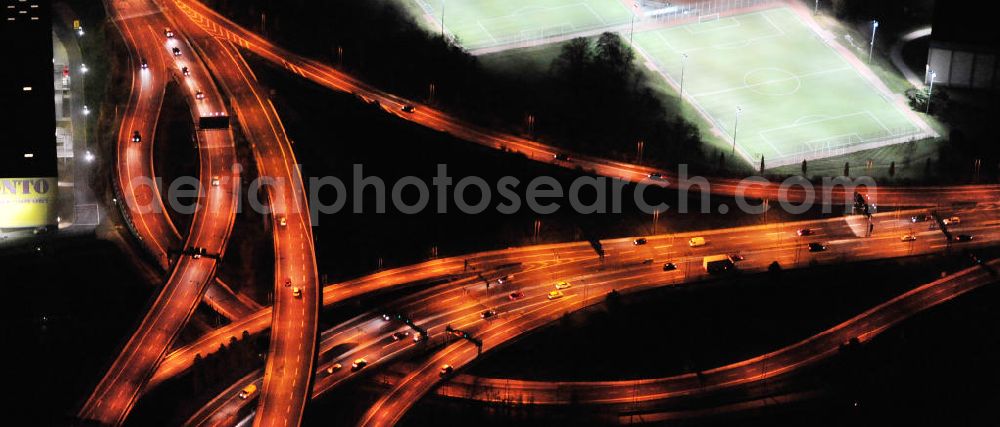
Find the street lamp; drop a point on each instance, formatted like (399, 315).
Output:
(83, 68)
(871, 47)
(930, 92)
(736, 124)
(684, 60)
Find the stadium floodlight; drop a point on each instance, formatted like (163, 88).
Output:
(871, 47)
(684, 60)
(736, 124)
(631, 30)
(816, 8)
(930, 92)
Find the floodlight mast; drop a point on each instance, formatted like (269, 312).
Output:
(930, 92)
(871, 47)
(736, 124)
(684, 58)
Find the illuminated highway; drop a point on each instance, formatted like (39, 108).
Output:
(759, 251)
(287, 376)
(327, 76)
(533, 270)
(808, 352)
(118, 390)
(287, 381)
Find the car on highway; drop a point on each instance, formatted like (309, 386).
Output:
(669, 266)
(168, 32)
(386, 317)
(417, 337)
(185, 71)
(136, 137)
(248, 391)
(560, 157)
(282, 222)
(562, 284)
(952, 221)
(288, 282)
(176, 50)
(817, 247)
(296, 292)
(919, 218)
(555, 295)
(215, 181)
(805, 232)
(697, 242)
(647, 261)
(908, 238)
(446, 369)
(333, 368)
(488, 314)
(736, 257)
(199, 94)
(408, 108)
(639, 241)
(654, 175)
(963, 238)
(358, 364)
(398, 335)
(143, 64)
(516, 295)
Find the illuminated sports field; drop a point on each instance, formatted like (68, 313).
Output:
(485, 23)
(799, 98)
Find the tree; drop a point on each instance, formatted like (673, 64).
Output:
(927, 168)
(614, 55)
(805, 167)
(892, 169)
(572, 60)
(761, 165)
(847, 169)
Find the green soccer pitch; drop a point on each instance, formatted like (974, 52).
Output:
(485, 23)
(795, 96)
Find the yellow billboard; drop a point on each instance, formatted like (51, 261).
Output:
(28, 202)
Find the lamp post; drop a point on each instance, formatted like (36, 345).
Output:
(930, 92)
(631, 30)
(871, 47)
(736, 124)
(684, 59)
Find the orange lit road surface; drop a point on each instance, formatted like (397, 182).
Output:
(427, 116)
(142, 27)
(539, 267)
(117, 391)
(534, 312)
(294, 319)
(806, 353)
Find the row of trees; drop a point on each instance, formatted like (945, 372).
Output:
(593, 97)
(228, 363)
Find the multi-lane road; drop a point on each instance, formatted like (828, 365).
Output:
(533, 271)
(808, 352)
(213, 219)
(328, 76)
(288, 374)
(296, 285)
(760, 249)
